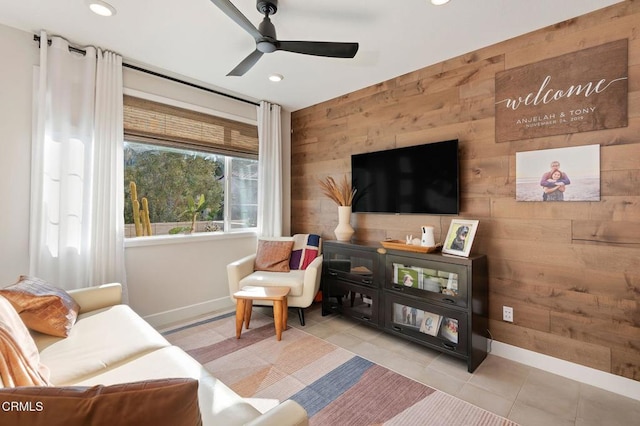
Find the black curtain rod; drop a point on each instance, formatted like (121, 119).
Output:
(186, 83)
(157, 74)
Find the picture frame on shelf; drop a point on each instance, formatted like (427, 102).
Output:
(460, 237)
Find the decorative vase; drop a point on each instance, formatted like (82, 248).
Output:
(344, 230)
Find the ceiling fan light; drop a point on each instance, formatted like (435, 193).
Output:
(276, 77)
(265, 46)
(439, 2)
(101, 8)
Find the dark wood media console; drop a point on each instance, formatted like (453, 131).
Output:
(439, 301)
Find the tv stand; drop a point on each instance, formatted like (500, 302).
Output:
(435, 300)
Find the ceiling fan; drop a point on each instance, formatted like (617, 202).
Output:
(267, 42)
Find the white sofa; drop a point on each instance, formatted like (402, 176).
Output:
(111, 344)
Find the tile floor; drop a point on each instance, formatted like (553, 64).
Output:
(526, 395)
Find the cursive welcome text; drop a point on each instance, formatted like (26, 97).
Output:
(546, 96)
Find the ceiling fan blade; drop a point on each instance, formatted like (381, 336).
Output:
(232, 12)
(246, 64)
(319, 48)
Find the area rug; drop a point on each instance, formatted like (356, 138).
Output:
(335, 386)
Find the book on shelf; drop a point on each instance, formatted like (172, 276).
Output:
(443, 274)
(429, 272)
(430, 323)
(449, 329)
(406, 275)
(452, 282)
(431, 284)
(407, 315)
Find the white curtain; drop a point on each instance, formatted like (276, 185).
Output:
(77, 195)
(269, 170)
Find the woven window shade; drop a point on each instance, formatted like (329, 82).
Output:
(161, 124)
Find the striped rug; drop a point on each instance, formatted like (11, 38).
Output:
(335, 386)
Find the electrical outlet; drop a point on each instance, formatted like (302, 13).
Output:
(507, 313)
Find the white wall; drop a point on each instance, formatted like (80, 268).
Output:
(181, 277)
(166, 281)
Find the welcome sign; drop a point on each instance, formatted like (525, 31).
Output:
(577, 92)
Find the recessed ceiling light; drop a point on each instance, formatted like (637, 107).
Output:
(276, 77)
(439, 2)
(101, 8)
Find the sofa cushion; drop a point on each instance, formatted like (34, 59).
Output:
(151, 402)
(19, 359)
(42, 306)
(292, 279)
(219, 405)
(99, 341)
(273, 256)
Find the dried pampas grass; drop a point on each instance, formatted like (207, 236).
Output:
(342, 194)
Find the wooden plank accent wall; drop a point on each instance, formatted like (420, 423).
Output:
(570, 270)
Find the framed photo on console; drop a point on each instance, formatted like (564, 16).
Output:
(460, 237)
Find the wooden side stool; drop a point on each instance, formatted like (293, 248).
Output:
(247, 295)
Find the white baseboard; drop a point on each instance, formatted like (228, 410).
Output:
(580, 373)
(162, 319)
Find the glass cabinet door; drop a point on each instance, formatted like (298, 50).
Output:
(355, 301)
(422, 278)
(351, 283)
(442, 327)
(354, 266)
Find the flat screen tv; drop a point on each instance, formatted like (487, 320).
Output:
(419, 179)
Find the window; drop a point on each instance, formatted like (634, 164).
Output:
(187, 171)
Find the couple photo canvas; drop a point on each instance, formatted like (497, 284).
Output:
(560, 174)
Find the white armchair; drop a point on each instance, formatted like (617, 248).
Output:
(304, 283)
